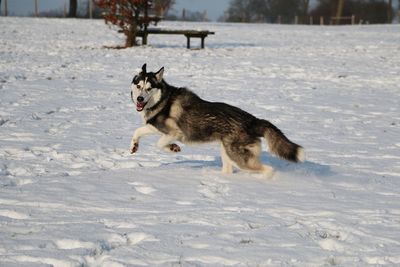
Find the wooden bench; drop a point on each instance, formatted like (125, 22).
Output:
(188, 34)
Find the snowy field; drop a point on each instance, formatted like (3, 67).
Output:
(72, 195)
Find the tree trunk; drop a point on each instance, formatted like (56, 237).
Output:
(339, 11)
(131, 36)
(305, 6)
(5, 8)
(73, 6)
(132, 30)
(389, 12)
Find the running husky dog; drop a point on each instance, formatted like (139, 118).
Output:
(180, 115)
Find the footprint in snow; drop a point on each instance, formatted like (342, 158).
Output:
(3, 121)
(136, 238)
(143, 188)
(213, 189)
(13, 215)
(73, 244)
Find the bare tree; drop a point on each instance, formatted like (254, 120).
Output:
(161, 7)
(304, 5)
(73, 6)
(371, 11)
(339, 11)
(239, 11)
(390, 11)
(264, 10)
(5, 8)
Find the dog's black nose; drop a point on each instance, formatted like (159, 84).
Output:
(140, 99)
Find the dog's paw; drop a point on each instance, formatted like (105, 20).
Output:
(174, 148)
(134, 147)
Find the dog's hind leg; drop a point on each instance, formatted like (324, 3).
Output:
(164, 143)
(227, 166)
(247, 157)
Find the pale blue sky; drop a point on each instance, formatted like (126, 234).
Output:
(215, 8)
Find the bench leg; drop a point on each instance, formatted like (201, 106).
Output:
(144, 39)
(202, 42)
(188, 42)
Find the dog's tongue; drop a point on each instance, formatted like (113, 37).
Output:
(140, 106)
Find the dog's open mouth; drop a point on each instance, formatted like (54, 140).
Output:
(140, 106)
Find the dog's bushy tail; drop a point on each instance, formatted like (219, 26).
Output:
(278, 143)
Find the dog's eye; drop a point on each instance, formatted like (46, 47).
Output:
(138, 86)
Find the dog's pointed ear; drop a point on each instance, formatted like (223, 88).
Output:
(143, 69)
(159, 74)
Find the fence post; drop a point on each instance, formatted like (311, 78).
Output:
(296, 20)
(279, 19)
(353, 19)
(311, 20)
(321, 20)
(90, 9)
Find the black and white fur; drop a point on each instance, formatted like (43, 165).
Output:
(180, 115)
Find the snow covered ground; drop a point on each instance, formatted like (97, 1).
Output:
(72, 195)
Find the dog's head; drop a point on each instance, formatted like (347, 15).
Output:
(146, 88)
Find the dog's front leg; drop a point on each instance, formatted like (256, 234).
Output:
(165, 143)
(139, 132)
(227, 166)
